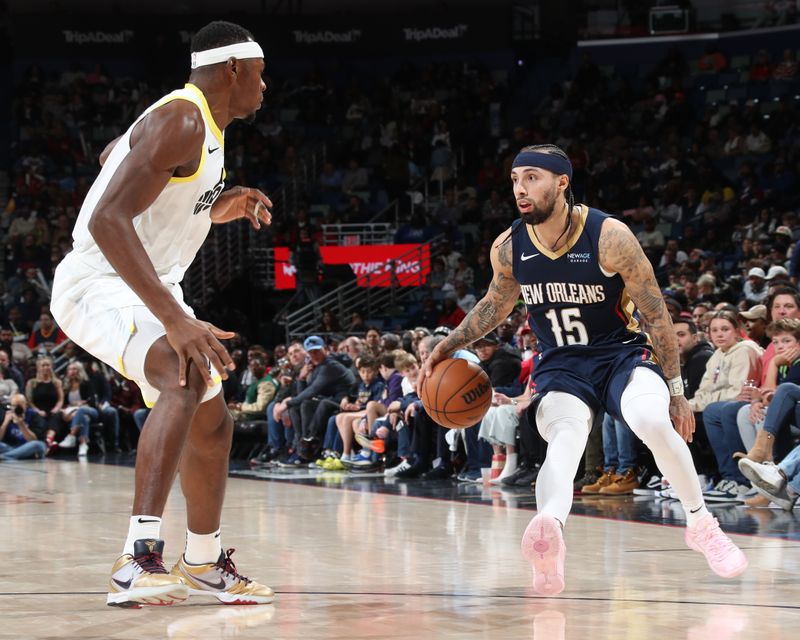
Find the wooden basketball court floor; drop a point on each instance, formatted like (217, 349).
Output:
(367, 565)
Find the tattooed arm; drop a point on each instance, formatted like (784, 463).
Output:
(490, 311)
(620, 252)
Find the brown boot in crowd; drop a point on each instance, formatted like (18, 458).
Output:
(606, 479)
(621, 485)
(761, 451)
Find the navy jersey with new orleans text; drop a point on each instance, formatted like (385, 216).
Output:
(587, 325)
(570, 299)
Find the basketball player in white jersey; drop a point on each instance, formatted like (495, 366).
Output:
(117, 294)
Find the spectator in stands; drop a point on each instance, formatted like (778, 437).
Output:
(507, 333)
(47, 335)
(496, 209)
(371, 434)
(126, 398)
(651, 239)
(355, 178)
(280, 431)
(101, 389)
(45, 395)
(707, 289)
(356, 324)
(712, 60)
(329, 323)
(452, 314)
(429, 314)
(720, 398)
(10, 370)
(761, 423)
(674, 307)
(695, 353)
(17, 441)
(376, 412)
(79, 409)
(17, 323)
(482, 272)
(353, 409)
(372, 342)
(756, 323)
(757, 142)
(428, 441)
(761, 67)
(259, 394)
(318, 398)
(438, 277)
(463, 273)
(8, 387)
(466, 299)
(786, 69)
(503, 369)
(755, 289)
(783, 302)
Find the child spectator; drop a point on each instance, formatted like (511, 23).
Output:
(773, 406)
(374, 428)
(370, 389)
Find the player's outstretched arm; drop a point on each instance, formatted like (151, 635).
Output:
(621, 253)
(490, 310)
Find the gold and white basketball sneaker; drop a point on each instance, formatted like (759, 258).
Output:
(141, 578)
(223, 581)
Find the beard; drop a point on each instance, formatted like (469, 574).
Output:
(541, 213)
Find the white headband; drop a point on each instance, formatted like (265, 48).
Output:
(240, 50)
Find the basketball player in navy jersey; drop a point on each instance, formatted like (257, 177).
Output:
(117, 294)
(586, 282)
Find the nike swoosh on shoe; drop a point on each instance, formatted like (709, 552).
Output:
(124, 585)
(219, 585)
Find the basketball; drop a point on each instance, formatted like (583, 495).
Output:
(457, 394)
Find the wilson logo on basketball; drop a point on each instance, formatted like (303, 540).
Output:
(473, 394)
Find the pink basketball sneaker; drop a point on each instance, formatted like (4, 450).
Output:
(543, 547)
(722, 555)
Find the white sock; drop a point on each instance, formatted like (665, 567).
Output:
(202, 548)
(508, 469)
(141, 527)
(645, 407)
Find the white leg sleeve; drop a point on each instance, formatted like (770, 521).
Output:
(564, 422)
(645, 407)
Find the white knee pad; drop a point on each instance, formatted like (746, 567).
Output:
(560, 408)
(645, 403)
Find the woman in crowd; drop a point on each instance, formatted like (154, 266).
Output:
(45, 396)
(720, 397)
(78, 411)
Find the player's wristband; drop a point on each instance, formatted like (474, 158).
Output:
(675, 386)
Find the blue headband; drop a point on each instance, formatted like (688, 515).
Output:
(549, 161)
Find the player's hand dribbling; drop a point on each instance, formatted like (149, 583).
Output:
(437, 355)
(199, 342)
(682, 416)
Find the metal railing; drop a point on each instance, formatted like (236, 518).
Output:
(370, 294)
(352, 234)
(219, 261)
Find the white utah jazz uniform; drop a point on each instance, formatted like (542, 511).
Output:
(91, 302)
